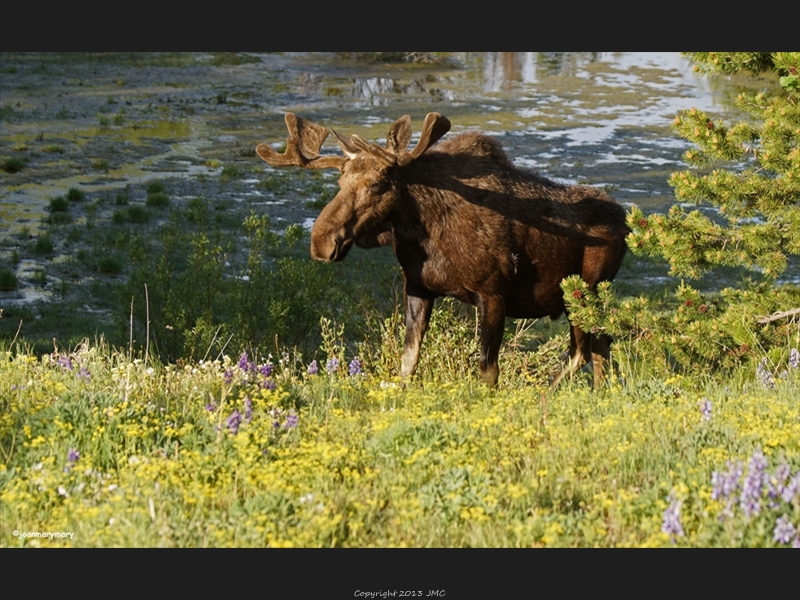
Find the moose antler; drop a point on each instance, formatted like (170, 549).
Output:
(434, 127)
(306, 138)
(302, 147)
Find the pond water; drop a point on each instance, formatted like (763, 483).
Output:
(105, 125)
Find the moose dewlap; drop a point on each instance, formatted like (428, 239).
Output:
(463, 222)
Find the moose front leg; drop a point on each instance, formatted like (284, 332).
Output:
(418, 314)
(492, 319)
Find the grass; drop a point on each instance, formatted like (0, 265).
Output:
(229, 172)
(76, 195)
(59, 204)
(8, 280)
(15, 164)
(43, 245)
(111, 265)
(126, 452)
(157, 200)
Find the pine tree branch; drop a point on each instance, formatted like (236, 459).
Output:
(778, 316)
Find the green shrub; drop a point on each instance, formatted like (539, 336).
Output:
(155, 187)
(14, 164)
(111, 265)
(59, 204)
(157, 200)
(229, 172)
(59, 218)
(43, 245)
(8, 280)
(137, 214)
(76, 195)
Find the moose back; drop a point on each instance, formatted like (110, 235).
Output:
(463, 222)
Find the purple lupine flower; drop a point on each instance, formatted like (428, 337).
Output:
(764, 376)
(267, 369)
(792, 489)
(248, 409)
(84, 374)
(355, 367)
(672, 518)
(705, 408)
(291, 422)
(244, 363)
(72, 457)
(333, 365)
(269, 385)
(725, 484)
(776, 484)
(233, 422)
(794, 359)
(210, 407)
(64, 362)
(784, 530)
(313, 368)
(750, 500)
(227, 377)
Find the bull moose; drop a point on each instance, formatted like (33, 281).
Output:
(463, 222)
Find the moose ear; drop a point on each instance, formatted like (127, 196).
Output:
(399, 135)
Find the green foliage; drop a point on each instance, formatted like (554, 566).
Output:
(203, 294)
(756, 196)
(8, 280)
(43, 245)
(229, 172)
(14, 164)
(691, 333)
(59, 204)
(110, 264)
(155, 187)
(157, 200)
(76, 195)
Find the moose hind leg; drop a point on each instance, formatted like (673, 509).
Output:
(492, 317)
(601, 354)
(418, 314)
(579, 354)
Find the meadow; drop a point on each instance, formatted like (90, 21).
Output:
(108, 449)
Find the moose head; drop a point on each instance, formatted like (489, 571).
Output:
(367, 191)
